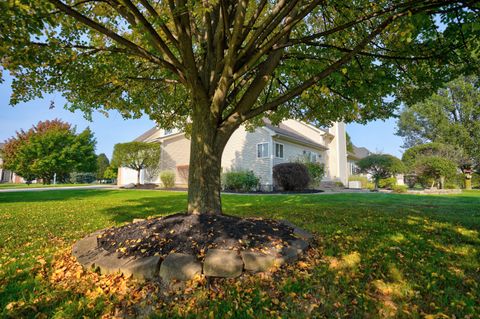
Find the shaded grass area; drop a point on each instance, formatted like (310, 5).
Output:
(15, 185)
(381, 255)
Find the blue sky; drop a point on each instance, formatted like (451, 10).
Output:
(377, 136)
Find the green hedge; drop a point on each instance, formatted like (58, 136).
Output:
(240, 181)
(168, 179)
(387, 182)
(399, 189)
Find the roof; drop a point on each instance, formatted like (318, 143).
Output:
(142, 137)
(359, 152)
(286, 131)
(282, 130)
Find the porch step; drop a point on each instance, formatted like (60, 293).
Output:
(329, 186)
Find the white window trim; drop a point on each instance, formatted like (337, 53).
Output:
(275, 149)
(268, 150)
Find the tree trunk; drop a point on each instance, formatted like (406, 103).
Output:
(138, 176)
(205, 167)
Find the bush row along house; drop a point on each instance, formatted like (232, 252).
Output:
(258, 151)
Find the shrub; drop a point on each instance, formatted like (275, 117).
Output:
(458, 180)
(339, 184)
(417, 186)
(450, 185)
(240, 181)
(410, 180)
(82, 178)
(475, 180)
(168, 179)
(400, 189)
(370, 186)
(435, 169)
(316, 171)
(291, 176)
(359, 178)
(387, 182)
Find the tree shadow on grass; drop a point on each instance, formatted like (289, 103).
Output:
(147, 206)
(51, 195)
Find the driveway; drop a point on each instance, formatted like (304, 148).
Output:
(41, 189)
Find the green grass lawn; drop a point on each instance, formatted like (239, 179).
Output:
(380, 255)
(12, 185)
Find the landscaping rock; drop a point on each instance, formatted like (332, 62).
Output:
(231, 255)
(86, 250)
(141, 268)
(299, 232)
(129, 186)
(222, 263)
(109, 263)
(257, 262)
(291, 252)
(179, 267)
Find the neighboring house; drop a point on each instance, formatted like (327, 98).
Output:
(359, 153)
(353, 157)
(7, 176)
(257, 151)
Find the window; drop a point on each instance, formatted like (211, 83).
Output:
(278, 150)
(167, 132)
(310, 156)
(262, 150)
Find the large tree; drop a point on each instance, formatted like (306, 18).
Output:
(49, 148)
(451, 116)
(137, 156)
(209, 66)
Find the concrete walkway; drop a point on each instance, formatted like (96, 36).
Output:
(42, 189)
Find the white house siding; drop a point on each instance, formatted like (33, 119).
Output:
(292, 152)
(337, 154)
(175, 155)
(127, 176)
(241, 153)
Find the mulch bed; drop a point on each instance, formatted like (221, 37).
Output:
(195, 234)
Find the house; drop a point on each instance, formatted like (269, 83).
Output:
(353, 157)
(357, 154)
(258, 151)
(7, 176)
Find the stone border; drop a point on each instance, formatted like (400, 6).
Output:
(183, 267)
(435, 191)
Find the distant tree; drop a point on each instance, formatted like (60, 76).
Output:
(381, 166)
(111, 172)
(136, 156)
(417, 152)
(450, 116)
(435, 169)
(349, 143)
(49, 148)
(102, 164)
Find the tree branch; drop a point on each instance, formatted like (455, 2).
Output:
(157, 39)
(114, 36)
